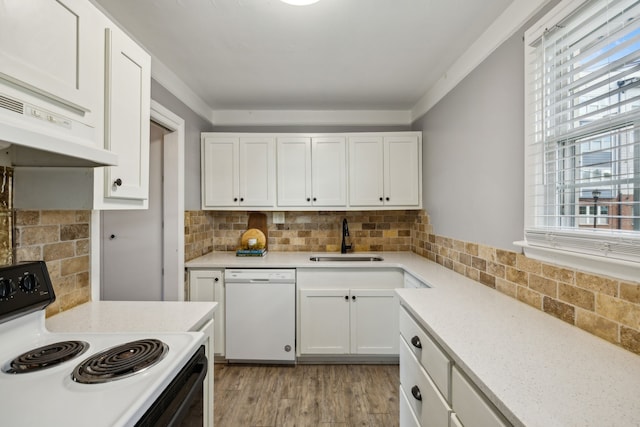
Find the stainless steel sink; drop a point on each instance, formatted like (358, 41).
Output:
(346, 258)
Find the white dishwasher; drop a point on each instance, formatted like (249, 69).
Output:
(260, 315)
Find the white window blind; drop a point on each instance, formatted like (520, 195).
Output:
(583, 129)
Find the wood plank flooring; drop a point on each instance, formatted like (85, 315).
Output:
(306, 395)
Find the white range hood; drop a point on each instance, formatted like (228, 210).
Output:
(32, 135)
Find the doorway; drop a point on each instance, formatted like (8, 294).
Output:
(132, 249)
(142, 252)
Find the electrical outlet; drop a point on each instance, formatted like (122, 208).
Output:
(278, 217)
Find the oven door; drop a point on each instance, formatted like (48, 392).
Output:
(180, 404)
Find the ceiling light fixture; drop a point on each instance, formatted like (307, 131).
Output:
(300, 2)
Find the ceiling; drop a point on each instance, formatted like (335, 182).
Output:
(333, 55)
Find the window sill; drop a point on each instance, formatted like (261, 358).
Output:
(624, 270)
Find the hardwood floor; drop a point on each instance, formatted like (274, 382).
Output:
(306, 395)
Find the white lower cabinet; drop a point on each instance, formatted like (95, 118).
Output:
(208, 285)
(374, 321)
(348, 321)
(437, 393)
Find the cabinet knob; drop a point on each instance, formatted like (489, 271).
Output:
(353, 297)
(415, 341)
(216, 279)
(314, 199)
(242, 199)
(308, 199)
(113, 236)
(380, 198)
(387, 199)
(415, 391)
(346, 297)
(235, 199)
(117, 182)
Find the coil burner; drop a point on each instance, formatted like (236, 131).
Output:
(46, 356)
(120, 362)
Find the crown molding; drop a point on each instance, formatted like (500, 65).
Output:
(511, 20)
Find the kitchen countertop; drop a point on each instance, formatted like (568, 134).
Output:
(405, 260)
(536, 369)
(133, 316)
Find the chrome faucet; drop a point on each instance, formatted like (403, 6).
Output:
(345, 233)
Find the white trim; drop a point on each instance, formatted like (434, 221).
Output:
(173, 215)
(510, 21)
(311, 117)
(173, 209)
(95, 257)
(619, 269)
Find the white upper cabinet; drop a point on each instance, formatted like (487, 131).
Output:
(312, 171)
(50, 48)
(294, 171)
(122, 78)
(238, 171)
(329, 175)
(385, 171)
(127, 114)
(366, 179)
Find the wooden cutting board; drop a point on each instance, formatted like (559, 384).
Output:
(253, 233)
(258, 221)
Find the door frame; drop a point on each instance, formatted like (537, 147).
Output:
(173, 211)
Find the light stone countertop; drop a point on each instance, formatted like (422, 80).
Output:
(536, 369)
(133, 316)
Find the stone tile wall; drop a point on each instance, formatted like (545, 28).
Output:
(320, 231)
(61, 238)
(603, 306)
(198, 234)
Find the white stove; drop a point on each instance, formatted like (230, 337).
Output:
(50, 395)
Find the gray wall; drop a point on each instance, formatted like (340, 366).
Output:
(473, 148)
(194, 124)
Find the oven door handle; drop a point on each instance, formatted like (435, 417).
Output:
(196, 380)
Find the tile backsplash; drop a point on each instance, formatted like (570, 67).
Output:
(303, 231)
(61, 238)
(603, 306)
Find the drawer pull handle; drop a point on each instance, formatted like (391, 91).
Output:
(415, 391)
(416, 342)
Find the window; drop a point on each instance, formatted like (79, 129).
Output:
(582, 184)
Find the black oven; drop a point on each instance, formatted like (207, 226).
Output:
(181, 403)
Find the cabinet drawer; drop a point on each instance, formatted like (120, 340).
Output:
(434, 360)
(407, 417)
(423, 397)
(470, 405)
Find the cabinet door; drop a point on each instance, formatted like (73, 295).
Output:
(127, 113)
(401, 171)
(49, 46)
(374, 321)
(208, 285)
(220, 163)
(294, 171)
(328, 160)
(324, 321)
(257, 178)
(365, 171)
